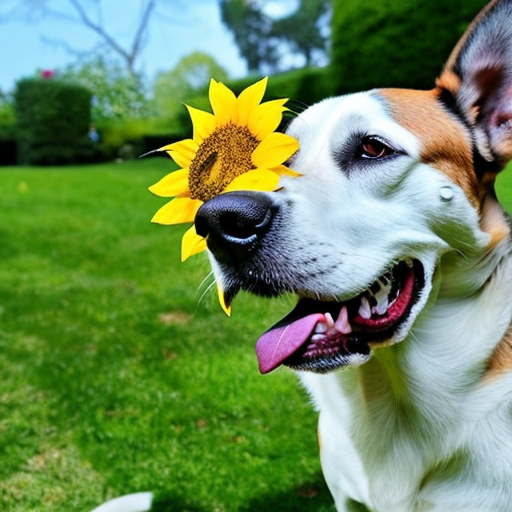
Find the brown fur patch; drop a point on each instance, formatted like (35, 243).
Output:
(493, 220)
(449, 81)
(445, 144)
(501, 359)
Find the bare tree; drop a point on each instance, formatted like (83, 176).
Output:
(128, 55)
(89, 14)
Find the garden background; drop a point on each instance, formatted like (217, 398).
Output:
(120, 373)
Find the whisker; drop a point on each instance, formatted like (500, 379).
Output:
(207, 287)
(296, 107)
(204, 281)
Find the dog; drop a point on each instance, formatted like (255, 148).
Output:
(401, 257)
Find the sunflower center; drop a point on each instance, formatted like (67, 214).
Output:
(221, 157)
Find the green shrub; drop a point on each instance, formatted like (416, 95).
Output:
(7, 131)
(7, 119)
(395, 43)
(53, 120)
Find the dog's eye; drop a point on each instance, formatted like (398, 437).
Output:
(372, 147)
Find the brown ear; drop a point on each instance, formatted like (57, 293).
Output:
(478, 79)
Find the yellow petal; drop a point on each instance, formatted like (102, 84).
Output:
(222, 301)
(257, 179)
(249, 99)
(282, 170)
(191, 244)
(203, 123)
(265, 118)
(177, 211)
(223, 102)
(182, 152)
(274, 149)
(173, 184)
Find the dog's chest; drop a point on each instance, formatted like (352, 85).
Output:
(376, 449)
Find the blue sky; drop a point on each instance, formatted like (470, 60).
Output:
(179, 28)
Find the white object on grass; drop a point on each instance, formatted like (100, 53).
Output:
(138, 502)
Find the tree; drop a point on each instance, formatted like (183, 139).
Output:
(194, 71)
(261, 38)
(117, 93)
(306, 29)
(191, 74)
(252, 30)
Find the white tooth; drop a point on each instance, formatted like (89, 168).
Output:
(329, 320)
(320, 328)
(382, 299)
(364, 309)
(317, 337)
(382, 305)
(342, 324)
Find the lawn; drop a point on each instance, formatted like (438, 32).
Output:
(121, 374)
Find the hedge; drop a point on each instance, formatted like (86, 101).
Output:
(53, 120)
(395, 43)
(8, 151)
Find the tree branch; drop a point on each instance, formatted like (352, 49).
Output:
(12, 10)
(143, 26)
(102, 33)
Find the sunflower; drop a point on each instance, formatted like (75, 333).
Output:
(234, 148)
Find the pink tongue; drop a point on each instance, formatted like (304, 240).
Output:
(278, 344)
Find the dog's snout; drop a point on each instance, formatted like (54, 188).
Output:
(234, 223)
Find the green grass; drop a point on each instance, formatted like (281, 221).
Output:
(504, 188)
(117, 377)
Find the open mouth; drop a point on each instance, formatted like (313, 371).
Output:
(321, 336)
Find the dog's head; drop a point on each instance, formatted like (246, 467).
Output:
(392, 182)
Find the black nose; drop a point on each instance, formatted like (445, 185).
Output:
(234, 224)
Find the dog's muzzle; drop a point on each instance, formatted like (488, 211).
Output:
(243, 231)
(234, 224)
